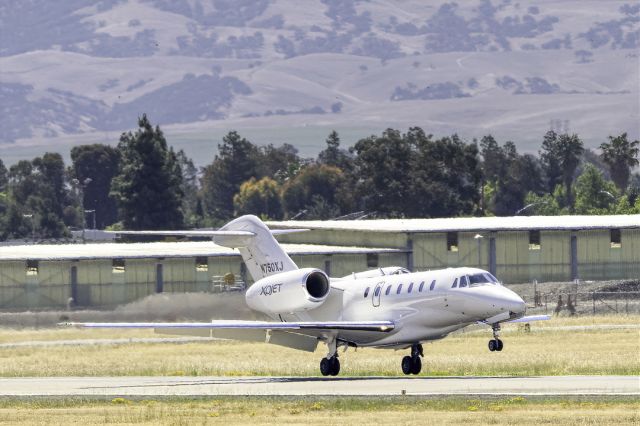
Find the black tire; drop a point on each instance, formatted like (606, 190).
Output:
(499, 345)
(416, 365)
(407, 365)
(335, 366)
(492, 345)
(325, 367)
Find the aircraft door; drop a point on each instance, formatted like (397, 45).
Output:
(377, 291)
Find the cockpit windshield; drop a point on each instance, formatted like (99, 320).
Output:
(399, 271)
(484, 278)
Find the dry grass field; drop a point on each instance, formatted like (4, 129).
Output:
(553, 347)
(324, 411)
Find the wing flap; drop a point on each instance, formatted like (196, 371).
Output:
(380, 326)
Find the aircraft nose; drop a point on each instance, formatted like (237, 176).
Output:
(512, 302)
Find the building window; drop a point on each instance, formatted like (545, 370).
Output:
(534, 240)
(616, 238)
(202, 264)
(32, 267)
(452, 241)
(117, 266)
(372, 260)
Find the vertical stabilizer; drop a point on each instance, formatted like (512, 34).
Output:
(261, 252)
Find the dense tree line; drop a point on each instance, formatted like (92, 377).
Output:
(142, 183)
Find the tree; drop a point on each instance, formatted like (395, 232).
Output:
(319, 189)
(191, 203)
(99, 163)
(382, 167)
(281, 163)
(148, 184)
(560, 158)
(445, 176)
(594, 194)
(621, 156)
(259, 197)
(38, 197)
(332, 155)
(236, 162)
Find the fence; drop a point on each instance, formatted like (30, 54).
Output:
(592, 302)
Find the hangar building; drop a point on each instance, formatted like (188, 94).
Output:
(109, 274)
(516, 249)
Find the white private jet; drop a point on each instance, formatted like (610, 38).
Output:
(383, 308)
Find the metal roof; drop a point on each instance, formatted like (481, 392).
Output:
(470, 224)
(158, 250)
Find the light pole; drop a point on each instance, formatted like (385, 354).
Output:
(81, 186)
(530, 205)
(94, 217)
(607, 193)
(33, 226)
(479, 238)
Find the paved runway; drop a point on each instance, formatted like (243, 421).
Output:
(280, 386)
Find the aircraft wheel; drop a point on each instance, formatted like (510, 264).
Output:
(492, 345)
(499, 345)
(325, 367)
(335, 366)
(416, 365)
(407, 365)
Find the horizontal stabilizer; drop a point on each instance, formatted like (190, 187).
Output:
(205, 233)
(381, 326)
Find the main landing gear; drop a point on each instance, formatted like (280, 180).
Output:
(330, 365)
(412, 364)
(496, 344)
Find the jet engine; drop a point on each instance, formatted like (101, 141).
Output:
(288, 292)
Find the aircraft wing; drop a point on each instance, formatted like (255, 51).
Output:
(506, 318)
(531, 318)
(380, 326)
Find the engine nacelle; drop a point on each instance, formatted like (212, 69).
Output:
(288, 292)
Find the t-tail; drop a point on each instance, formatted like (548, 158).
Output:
(259, 249)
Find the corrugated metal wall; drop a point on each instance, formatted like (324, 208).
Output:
(97, 283)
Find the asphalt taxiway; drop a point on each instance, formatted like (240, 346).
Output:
(297, 386)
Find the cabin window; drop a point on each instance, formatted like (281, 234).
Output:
(377, 291)
(455, 283)
(410, 288)
(433, 285)
(463, 281)
(372, 260)
(32, 267)
(421, 287)
(202, 264)
(616, 238)
(534, 240)
(388, 291)
(366, 292)
(452, 241)
(399, 289)
(117, 266)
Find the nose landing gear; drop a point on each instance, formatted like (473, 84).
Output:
(412, 364)
(496, 344)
